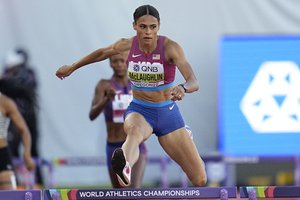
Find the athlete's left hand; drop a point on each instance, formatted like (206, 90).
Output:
(177, 93)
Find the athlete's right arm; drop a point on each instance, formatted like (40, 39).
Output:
(103, 93)
(98, 55)
(16, 117)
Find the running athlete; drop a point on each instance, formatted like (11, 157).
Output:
(9, 111)
(151, 60)
(113, 97)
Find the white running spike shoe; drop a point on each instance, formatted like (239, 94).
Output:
(121, 167)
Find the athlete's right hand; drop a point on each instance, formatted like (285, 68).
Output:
(110, 93)
(64, 71)
(29, 162)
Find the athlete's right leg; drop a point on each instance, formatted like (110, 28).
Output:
(8, 180)
(137, 130)
(137, 174)
(110, 147)
(137, 170)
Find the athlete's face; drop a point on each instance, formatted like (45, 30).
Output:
(146, 28)
(118, 64)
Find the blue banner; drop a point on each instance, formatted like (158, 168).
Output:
(259, 96)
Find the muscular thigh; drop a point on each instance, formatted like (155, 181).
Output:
(181, 148)
(135, 123)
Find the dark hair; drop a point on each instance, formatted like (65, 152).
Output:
(17, 92)
(145, 10)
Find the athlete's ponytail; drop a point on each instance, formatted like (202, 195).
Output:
(17, 92)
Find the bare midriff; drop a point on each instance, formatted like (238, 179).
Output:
(156, 96)
(115, 132)
(3, 143)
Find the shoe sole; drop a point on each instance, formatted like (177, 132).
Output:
(118, 163)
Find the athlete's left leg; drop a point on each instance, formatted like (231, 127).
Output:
(181, 148)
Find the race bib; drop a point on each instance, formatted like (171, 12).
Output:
(146, 74)
(119, 106)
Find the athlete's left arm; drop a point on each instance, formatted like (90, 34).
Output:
(175, 54)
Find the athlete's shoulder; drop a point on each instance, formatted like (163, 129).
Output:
(172, 50)
(7, 104)
(124, 40)
(123, 44)
(5, 99)
(169, 43)
(103, 83)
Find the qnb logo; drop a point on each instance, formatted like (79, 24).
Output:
(272, 102)
(136, 68)
(149, 68)
(145, 68)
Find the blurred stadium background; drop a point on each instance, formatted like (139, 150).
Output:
(59, 32)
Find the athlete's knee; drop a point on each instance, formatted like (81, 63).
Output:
(199, 181)
(134, 130)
